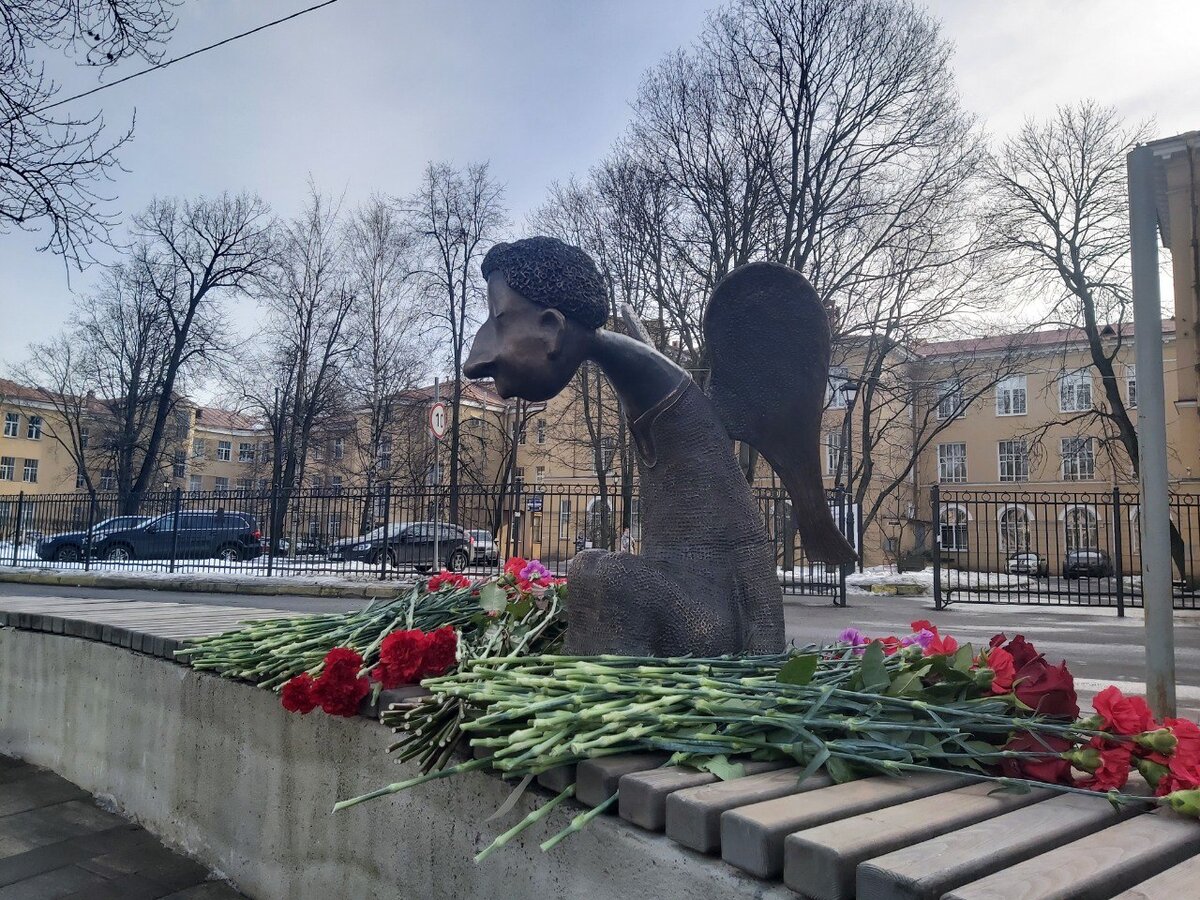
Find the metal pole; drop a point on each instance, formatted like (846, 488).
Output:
(20, 526)
(90, 540)
(437, 480)
(1118, 551)
(175, 529)
(1155, 514)
(936, 523)
(387, 532)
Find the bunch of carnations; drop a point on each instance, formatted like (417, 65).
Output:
(339, 690)
(445, 580)
(405, 657)
(528, 576)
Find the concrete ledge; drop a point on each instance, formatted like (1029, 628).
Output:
(257, 585)
(218, 769)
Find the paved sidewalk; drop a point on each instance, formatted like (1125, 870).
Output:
(55, 842)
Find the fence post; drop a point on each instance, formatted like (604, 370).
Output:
(387, 537)
(272, 537)
(936, 522)
(1118, 552)
(20, 526)
(177, 503)
(91, 523)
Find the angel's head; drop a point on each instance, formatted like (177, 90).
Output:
(545, 301)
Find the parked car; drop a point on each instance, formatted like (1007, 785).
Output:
(72, 545)
(1028, 564)
(305, 546)
(228, 535)
(409, 544)
(1087, 564)
(486, 553)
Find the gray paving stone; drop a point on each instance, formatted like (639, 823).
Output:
(930, 869)
(752, 836)
(210, 890)
(596, 780)
(644, 794)
(558, 779)
(50, 824)
(1096, 866)
(55, 884)
(40, 789)
(821, 861)
(1178, 881)
(694, 814)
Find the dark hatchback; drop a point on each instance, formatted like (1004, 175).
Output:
(222, 534)
(1087, 564)
(409, 544)
(72, 545)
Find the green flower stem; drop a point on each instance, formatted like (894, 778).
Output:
(579, 822)
(534, 817)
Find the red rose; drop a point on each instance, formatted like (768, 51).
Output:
(1001, 663)
(440, 651)
(1045, 762)
(401, 655)
(1020, 649)
(298, 694)
(1121, 714)
(1113, 772)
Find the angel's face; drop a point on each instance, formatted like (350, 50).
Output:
(530, 351)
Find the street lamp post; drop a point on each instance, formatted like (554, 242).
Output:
(849, 391)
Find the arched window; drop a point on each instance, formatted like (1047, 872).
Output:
(1014, 530)
(954, 528)
(1082, 528)
(600, 523)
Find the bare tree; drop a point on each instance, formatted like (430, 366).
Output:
(51, 164)
(456, 215)
(1060, 214)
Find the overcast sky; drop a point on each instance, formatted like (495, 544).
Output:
(361, 94)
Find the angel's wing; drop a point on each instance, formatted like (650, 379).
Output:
(768, 342)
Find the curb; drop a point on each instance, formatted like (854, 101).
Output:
(259, 587)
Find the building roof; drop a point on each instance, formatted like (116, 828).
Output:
(1030, 340)
(214, 417)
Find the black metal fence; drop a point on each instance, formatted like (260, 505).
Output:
(351, 533)
(1078, 548)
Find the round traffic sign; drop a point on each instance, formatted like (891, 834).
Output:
(438, 420)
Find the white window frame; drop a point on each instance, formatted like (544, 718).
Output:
(539, 475)
(834, 395)
(195, 484)
(1012, 396)
(199, 448)
(1082, 448)
(1015, 460)
(946, 460)
(8, 468)
(33, 428)
(541, 431)
(960, 528)
(108, 480)
(1071, 516)
(339, 448)
(85, 437)
(221, 484)
(1004, 534)
(246, 451)
(833, 452)
(224, 451)
(30, 472)
(949, 399)
(12, 424)
(564, 518)
(1131, 386)
(1072, 387)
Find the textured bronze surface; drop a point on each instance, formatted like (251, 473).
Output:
(704, 582)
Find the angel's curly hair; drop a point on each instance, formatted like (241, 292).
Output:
(554, 274)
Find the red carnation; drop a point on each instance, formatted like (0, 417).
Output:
(1187, 735)
(298, 694)
(440, 651)
(1003, 668)
(1121, 714)
(514, 566)
(1115, 760)
(941, 645)
(1183, 765)
(1045, 689)
(340, 689)
(891, 644)
(923, 625)
(1048, 766)
(401, 656)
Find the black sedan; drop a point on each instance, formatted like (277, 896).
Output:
(71, 546)
(1087, 564)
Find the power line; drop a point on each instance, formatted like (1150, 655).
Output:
(171, 62)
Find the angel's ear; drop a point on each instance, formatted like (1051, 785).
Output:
(554, 325)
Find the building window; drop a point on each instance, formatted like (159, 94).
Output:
(1011, 396)
(1014, 530)
(1078, 459)
(541, 431)
(245, 484)
(195, 484)
(80, 480)
(536, 528)
(198, 448)
(31, 470)
(519, 476)
(564, 518)
(221, 484)
(385, 453)
(245, 451)
(950, 399)
(335, 484)
(539, 475)
(8, 468)
(835, 397)
(523, 434)
(608, 452)
(108, 481)
(833, 452)
(1014, 460)
(33, 430)
(85, 436)
(1082, 529)
(953, 528)
(339, 448)
(952, 463)
(1131, 386)
(179, 469)
(12, 424)
(1075, 391)
(224, 450)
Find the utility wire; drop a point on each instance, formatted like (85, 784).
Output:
(169, 62)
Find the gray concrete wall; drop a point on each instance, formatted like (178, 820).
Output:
(220, 770)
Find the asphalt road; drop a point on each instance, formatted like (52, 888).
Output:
(1097, 645)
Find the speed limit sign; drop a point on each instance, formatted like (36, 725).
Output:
(438, 420)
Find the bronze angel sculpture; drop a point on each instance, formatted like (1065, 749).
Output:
(705, 580)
